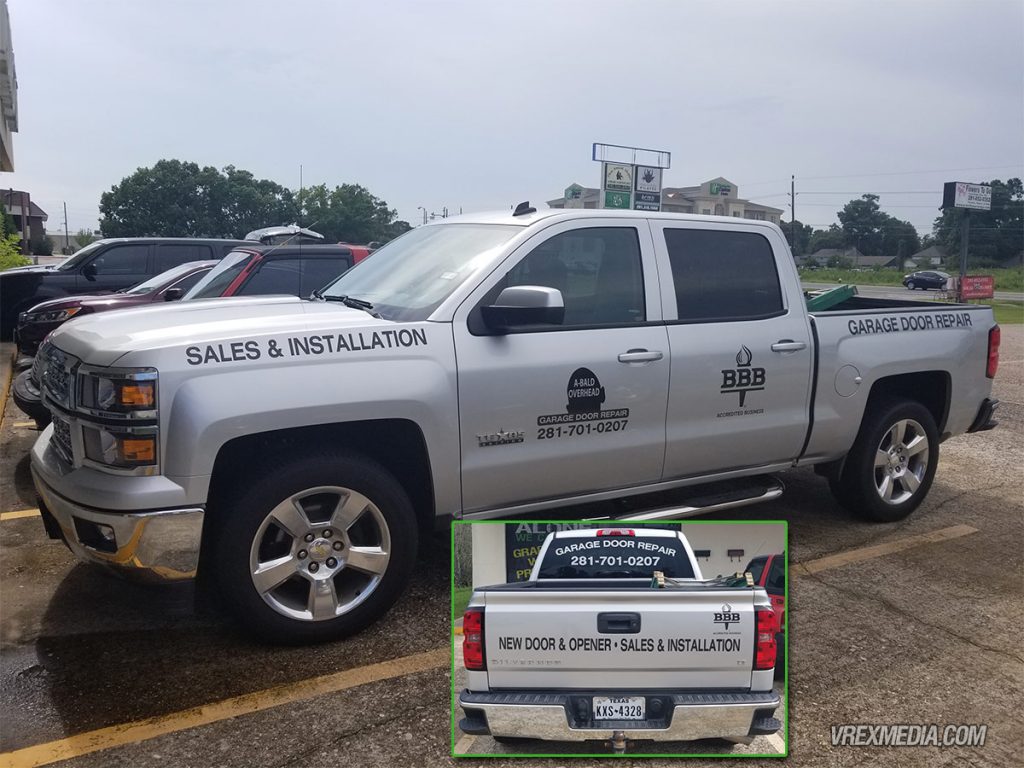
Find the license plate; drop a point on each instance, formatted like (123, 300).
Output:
(619, 708)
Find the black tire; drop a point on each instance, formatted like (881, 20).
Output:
(238, 521)
(780, 656)
(859, 487)
(910, 285)
(28, 400)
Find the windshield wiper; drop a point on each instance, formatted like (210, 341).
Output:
(348, 301)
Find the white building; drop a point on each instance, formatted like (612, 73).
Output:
(717, 197)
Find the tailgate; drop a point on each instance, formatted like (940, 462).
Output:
(627, 638)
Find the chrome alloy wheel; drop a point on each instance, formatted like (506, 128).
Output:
(320, 553)
(901, 461)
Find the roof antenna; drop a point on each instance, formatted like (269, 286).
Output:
(523, 208)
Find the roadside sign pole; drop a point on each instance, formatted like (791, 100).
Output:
(965, 237)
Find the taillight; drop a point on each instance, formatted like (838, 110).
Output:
(473, 639)
(616, 532)
(993, 352)
(766, 626)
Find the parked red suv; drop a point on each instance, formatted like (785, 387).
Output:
(249, 271)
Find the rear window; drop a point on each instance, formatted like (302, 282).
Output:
(721, 276)
(615, 557)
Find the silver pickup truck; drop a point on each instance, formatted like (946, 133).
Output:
(617, 637)
(291, 450)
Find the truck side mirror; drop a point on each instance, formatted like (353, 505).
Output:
(524, 305)
(89, 271)
(173, 294)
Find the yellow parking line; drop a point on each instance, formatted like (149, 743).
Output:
(23, 424)
(868, 553)
(141, 730)
(19, 514)
(464, 746)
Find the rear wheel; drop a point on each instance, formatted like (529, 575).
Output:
(892, 464)
(316, 548)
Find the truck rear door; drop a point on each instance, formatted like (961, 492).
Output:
(625, 639)
(741, 347)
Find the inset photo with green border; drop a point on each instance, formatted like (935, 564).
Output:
(574, 639)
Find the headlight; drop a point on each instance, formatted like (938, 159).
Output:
(120, 392)
(125, 450)
(52, 316)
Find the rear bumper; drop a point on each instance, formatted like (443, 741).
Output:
(565, 717)
(984, 420)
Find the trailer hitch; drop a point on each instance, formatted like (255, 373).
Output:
(618, 743)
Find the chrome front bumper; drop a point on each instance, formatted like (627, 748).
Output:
(157, 545)
(550, 716)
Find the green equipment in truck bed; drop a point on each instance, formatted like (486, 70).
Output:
(821, 300)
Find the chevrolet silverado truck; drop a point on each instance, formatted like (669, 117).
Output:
(616, 637)
(291, 451)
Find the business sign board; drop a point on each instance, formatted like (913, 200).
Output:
(618, 176)
(648, 179)
(959, 194)
(647, 201)
(573, 192)
(977, 287)
(615, 199)
(717, 188)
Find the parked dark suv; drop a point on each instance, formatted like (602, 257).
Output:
(925, 280)
(106, 265)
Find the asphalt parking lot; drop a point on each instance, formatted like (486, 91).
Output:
(911, 622)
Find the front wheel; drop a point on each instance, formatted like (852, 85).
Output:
(910, 285)
(314, 549)
(892, 464)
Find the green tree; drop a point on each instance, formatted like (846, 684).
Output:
(349, 214)
(83, 237)
(180, 199)
(997, 235)
(832, 237)
(874, 232)
(803, 236)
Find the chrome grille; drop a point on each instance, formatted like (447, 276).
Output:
(61, 441)
(55, 375)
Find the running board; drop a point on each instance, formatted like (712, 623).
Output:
(713, 500)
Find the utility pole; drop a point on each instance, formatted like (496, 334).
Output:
(67, 238)
(792, 210)
(24, 227)
(965, 237)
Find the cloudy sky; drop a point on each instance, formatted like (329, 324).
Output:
(483, 104)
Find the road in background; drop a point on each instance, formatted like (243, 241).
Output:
(899, 292)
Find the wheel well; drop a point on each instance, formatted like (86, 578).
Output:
(929, 388)
(395, 444)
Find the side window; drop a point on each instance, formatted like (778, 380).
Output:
(776, 582)
(721, 275)
(274, 276)
(171, 255)
(188, 281)
(123, 260)
(316, 273)
(597, 270)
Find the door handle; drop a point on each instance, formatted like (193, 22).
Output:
(618, 623)
(640, 356)
(788, 345)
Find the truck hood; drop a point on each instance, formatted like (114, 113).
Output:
(30, 269)
(104, 338)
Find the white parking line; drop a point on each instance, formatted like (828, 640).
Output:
(464, 746)
(868, 553)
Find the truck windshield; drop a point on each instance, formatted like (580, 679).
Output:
(615, 557)
(81, 256)
(408, 278)
(220, 277)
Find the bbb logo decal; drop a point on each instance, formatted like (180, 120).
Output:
(726, 616)
(744, 377)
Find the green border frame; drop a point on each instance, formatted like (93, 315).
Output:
(608, 755)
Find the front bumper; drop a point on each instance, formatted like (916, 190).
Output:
(155, 545)
(561, 716)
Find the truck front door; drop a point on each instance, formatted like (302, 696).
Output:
(741, 348)
(558, 411)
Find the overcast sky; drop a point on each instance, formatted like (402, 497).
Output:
(484, 104)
